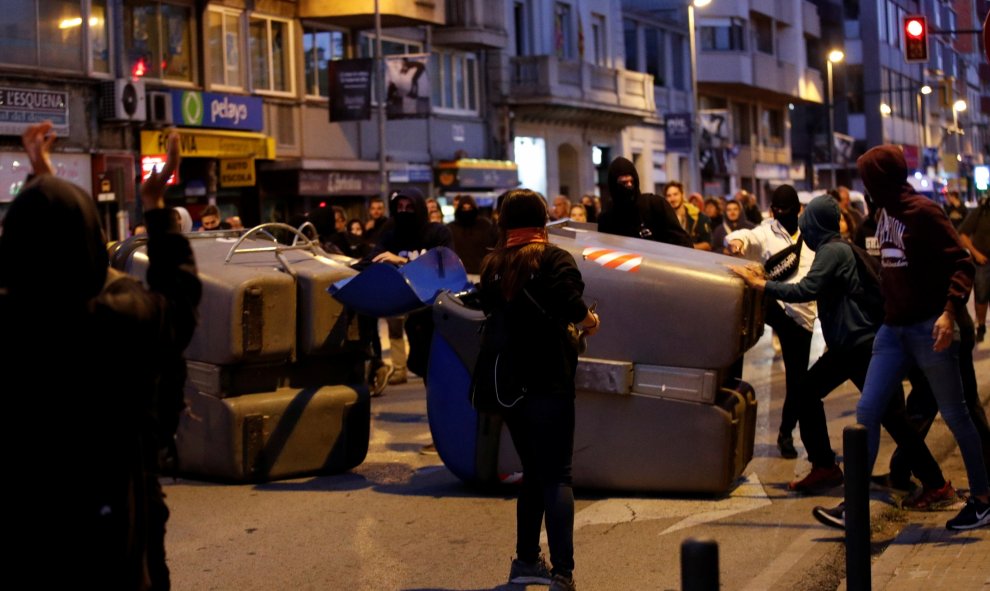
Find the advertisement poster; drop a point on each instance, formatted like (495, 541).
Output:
(407, 86)
(350, 89)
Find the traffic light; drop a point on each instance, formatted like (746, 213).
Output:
(915, 39)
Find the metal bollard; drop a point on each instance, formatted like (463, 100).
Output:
(699, 565)
(857, 508)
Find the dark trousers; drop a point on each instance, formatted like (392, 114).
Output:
(828, 373)
(542, 430)
(922, 408)
(795, 347)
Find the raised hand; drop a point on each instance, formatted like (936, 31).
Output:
(37, 140)
(153, 188)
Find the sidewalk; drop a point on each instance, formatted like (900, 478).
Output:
(926, 557)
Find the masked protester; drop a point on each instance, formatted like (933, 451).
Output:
(776, 244)
(408, 234)
(926, 276)
(638, 215)
(93, 370)
(473, 235)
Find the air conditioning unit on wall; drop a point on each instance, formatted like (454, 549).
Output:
(123, 100)
(159, 107)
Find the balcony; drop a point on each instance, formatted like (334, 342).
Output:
(758, 76)
(473, 24)
(558, 89)
(360, 14)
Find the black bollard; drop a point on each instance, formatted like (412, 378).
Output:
(857, 508)
(699, 565)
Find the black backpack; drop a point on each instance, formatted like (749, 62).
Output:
(495, 386)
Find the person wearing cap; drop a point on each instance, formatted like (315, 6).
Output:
(638, 215)
(776, 243)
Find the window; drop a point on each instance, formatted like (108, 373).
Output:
(722, 34)
(772, 127)
(654, 40)
(50, 34)
(741, 124)
(854, 88)
(320, 47)
(631, 39)
(563, 31)
(270, 48)
(598, 39)
(520, 14)
(389, 46)
(455, 82)
(99, 37)
(679, 57)
(224, 34)
(158, 39)
(762, 33)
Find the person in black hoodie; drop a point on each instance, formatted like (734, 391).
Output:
(849, 324)
(638, 215)
(473, 235)
(926, 277)
(408, 234)
(91, 421)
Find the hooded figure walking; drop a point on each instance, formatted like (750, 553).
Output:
(638, 215)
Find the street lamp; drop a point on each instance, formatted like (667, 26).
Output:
(696, 117)
(835, 56)
(957, 107)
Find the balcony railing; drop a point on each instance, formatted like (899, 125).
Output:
(582, 85)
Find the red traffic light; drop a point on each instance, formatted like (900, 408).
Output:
(914, 27)
(915, 39)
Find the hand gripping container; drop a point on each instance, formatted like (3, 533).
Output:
(276, 372)
(655, 408)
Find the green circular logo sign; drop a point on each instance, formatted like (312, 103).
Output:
(192, 108)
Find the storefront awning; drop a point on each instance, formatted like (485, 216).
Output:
(208, 143)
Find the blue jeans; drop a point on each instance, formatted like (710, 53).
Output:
(895, 349)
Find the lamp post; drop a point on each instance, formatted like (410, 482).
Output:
(957, 107)
(923, 134)
(835, 56)
(695, 116)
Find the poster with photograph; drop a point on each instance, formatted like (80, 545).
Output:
(350, 89)
(407, 86)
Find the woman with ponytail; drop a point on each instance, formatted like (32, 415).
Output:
(539, 287)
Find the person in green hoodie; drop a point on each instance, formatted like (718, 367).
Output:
(849, 325)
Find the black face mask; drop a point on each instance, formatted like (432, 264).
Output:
(405, 218)
(466, 216)
(788, 219)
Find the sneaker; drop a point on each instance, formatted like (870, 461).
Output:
(932, 499)
(785, 444)
(818, 479)
(981, 333)
(562, 583)
(975, 514)
(834, 517)
(529, 573)
(890, 481)
(381, 379)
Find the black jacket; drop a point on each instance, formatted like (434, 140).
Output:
(639, 215)
(545, 358)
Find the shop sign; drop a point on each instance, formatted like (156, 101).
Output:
(21, 107)
(767, 171)
(478, 178)
(154, 163)
(15, 167)
(208, 109)
(237, 172)
(318, 182)
(202, 143)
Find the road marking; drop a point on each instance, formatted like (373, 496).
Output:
(749, 495)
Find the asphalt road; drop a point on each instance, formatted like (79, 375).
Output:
(401, 521)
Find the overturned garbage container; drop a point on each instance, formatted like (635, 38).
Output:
(276, 382)
(656, 408)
